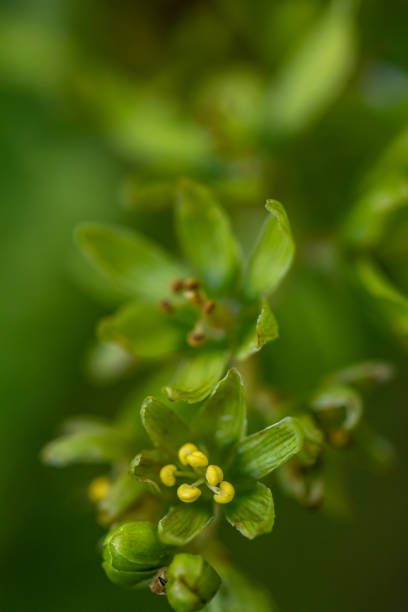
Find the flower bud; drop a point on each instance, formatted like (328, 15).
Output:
(192, 583)
(132, 553)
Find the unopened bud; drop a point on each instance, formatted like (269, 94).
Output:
(166, 306)
(132, 553)
(176, 285)
(196, 339)
(192, 583)
(191, 284)
(209, 307)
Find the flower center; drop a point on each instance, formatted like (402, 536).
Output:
(198, 469)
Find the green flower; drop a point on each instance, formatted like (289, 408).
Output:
(205, 309)
(213, 463)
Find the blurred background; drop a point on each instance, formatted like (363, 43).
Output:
(103, 106)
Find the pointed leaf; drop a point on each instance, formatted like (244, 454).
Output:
(197, 376)
(143, 329)
(264, 330)
(266, 450)
(223, 417)
(341, 402)
(184, 522)
(314, 76)
(123, 493)
(101, 446)
(132, 262)
(205, 236)
(252, 511)
(273, 253)
(166, 430)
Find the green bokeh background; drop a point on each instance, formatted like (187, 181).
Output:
(58, 166)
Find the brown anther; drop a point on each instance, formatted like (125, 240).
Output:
(209, 307)
(158, 584)
(194, 296)
(166, 306)
(339, 438)
(195, 339)
(191, 284)
(176, 285)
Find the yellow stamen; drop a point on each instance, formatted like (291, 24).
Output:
(214, 475)
(188, 494)
(185, 451)
(168, 475)
(226, 494)
(98, 489)
(197, 459)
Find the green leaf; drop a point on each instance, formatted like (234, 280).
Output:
(264, 330)
(143, 329)
(166, 430)
(132, 262)
(103, 446)
(315, 74)
(252, 511)
(266, 450)
(223, 417)
(184, 522)
(390, 302)
(123, 493)
(197, 376)
(205, 236)
(335, 399)
(273, 253)
(363, 373)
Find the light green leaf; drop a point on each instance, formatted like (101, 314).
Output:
(264, 330)
(387, 298)
(273, 253)
(166, 430)
(123, 493)
(339, 399)
(316, 73)
(266, 450)
(197, 376)
(132, 262)
(223, 417)
(252, 511)
(205, 236)
(184, 522)
(101, 446)
(143, 329)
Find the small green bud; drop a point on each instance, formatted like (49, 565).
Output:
(132, 553)
(192, 583)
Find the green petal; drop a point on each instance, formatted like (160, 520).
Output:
(205, 236)
(184, 522)
(266, 450)
(102, 446)
(132, 262)
(252, 511)
(143, 329)
(388, 300)
(273, 253)
(315, 74)
(197, 376)
(223, 417)
(166, 430)
(123, 493)
(145, 466)
(340, 403)
(264, 330)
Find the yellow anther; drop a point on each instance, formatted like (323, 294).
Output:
(197, 459)
(98, 489)
(168, 475)
(214, 475)
(185, 451)
(226, 494)
(188, 494)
